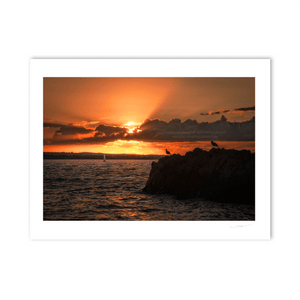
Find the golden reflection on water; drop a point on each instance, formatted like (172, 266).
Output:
(94, 190)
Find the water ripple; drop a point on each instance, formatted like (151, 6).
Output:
(94, 190)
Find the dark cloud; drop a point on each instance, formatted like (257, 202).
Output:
(109, 130)
(66, 134)
(72, 130)
(161, 131)
(55, 125)
(191, 130)
(245, 108)
(218, 112)
(155, 124)
(224, 111)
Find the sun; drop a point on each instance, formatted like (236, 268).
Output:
(132, 127)
(130, 124)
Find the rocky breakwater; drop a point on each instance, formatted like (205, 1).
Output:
(218, 175)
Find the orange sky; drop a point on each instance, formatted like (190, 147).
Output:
(79, 105)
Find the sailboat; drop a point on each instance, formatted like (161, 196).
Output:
(104, 158)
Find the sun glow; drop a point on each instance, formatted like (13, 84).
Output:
(132, 127)
(125, 103)
(140, 147)
(131, 130)
(130, 124)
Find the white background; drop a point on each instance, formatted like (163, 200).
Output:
(150, 270)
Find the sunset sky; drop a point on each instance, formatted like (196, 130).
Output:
(148, 115)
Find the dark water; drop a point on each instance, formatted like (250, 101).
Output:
(112, 190)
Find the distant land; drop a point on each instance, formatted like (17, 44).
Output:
(90, 155)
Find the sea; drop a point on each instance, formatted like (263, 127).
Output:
(92, 189)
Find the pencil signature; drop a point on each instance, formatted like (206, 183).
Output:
(236, 226)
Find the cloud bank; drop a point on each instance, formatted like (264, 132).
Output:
(156, 130)
(224, 111)
(218, 112)
(245, 108)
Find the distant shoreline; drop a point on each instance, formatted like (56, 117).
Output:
(99, 156)
(116, 158)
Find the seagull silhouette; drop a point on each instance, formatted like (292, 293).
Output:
(167, 152)
(214, 144)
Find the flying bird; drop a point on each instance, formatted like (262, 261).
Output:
(214, 144)
(167, 152)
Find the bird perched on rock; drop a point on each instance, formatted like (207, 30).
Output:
(214, 144)
(167, 152)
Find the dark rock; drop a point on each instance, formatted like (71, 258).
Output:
(219, 175)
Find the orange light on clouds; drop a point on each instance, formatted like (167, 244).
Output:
(144, 148)
(116, 147)
(127, 102)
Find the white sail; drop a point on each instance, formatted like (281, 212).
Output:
(104, 157)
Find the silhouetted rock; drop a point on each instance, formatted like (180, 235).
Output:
(219, 174)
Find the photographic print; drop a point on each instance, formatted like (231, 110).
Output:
(149, 148)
